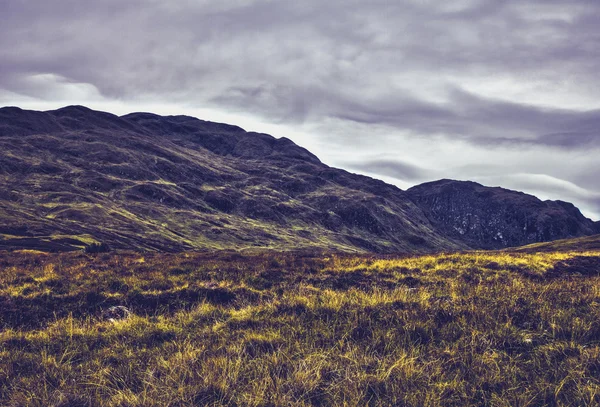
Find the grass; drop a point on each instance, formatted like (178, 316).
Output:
(282, 329)
(137, 189)
(589, 243)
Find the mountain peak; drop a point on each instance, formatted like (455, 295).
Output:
(446, 182)
(179, 124)
(72, 109)
(15, 121)
(10, 109)
(77, 118)
(494, 217)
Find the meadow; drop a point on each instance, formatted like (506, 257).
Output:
(297, 329)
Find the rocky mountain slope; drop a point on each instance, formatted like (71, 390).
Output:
(492, 218)
(74, 176)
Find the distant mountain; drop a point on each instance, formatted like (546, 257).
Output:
(493, 218)
(74, 176)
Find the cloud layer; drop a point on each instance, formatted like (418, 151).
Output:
(500, 91)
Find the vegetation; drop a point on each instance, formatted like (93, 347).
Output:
(588, 243)
(266, 329)
(97, 248)
(74, 176)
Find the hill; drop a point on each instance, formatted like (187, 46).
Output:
(493, 218)
(74, 176)
(586, 243)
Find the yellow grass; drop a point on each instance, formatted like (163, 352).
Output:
(275, 329)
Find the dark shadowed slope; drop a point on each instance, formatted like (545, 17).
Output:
(492, 218)
(74, 176)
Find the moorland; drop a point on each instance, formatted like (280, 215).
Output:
(479, 328)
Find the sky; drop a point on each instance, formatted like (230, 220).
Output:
(502, 92)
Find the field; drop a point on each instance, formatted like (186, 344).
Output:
(291, 329)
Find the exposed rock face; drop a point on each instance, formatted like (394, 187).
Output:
(492, 218)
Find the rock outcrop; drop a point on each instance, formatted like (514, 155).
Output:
(492, 218)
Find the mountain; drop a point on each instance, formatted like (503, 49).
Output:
(75, 176)
(493, 218)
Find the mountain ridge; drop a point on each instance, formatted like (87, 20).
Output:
(74, 176)
(495, 217)
(178, 183)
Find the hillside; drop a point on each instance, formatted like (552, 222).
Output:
(74, 176)
(563, 245)
(494, 218)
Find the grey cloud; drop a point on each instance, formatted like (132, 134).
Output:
(198, 35)
(483, 121)
(466, 116)
(392, 168)
(573, 139)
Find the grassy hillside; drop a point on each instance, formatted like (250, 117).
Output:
(74, 176)
(264, 329)
(580, 244)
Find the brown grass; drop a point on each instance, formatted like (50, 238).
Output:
(275, 329)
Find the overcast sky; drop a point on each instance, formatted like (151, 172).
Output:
(503, 92)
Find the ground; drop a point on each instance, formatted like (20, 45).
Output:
(293, 329)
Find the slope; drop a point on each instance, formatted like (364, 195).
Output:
(75, 176)
(495, 218)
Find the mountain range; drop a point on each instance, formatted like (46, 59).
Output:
(74, 176)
